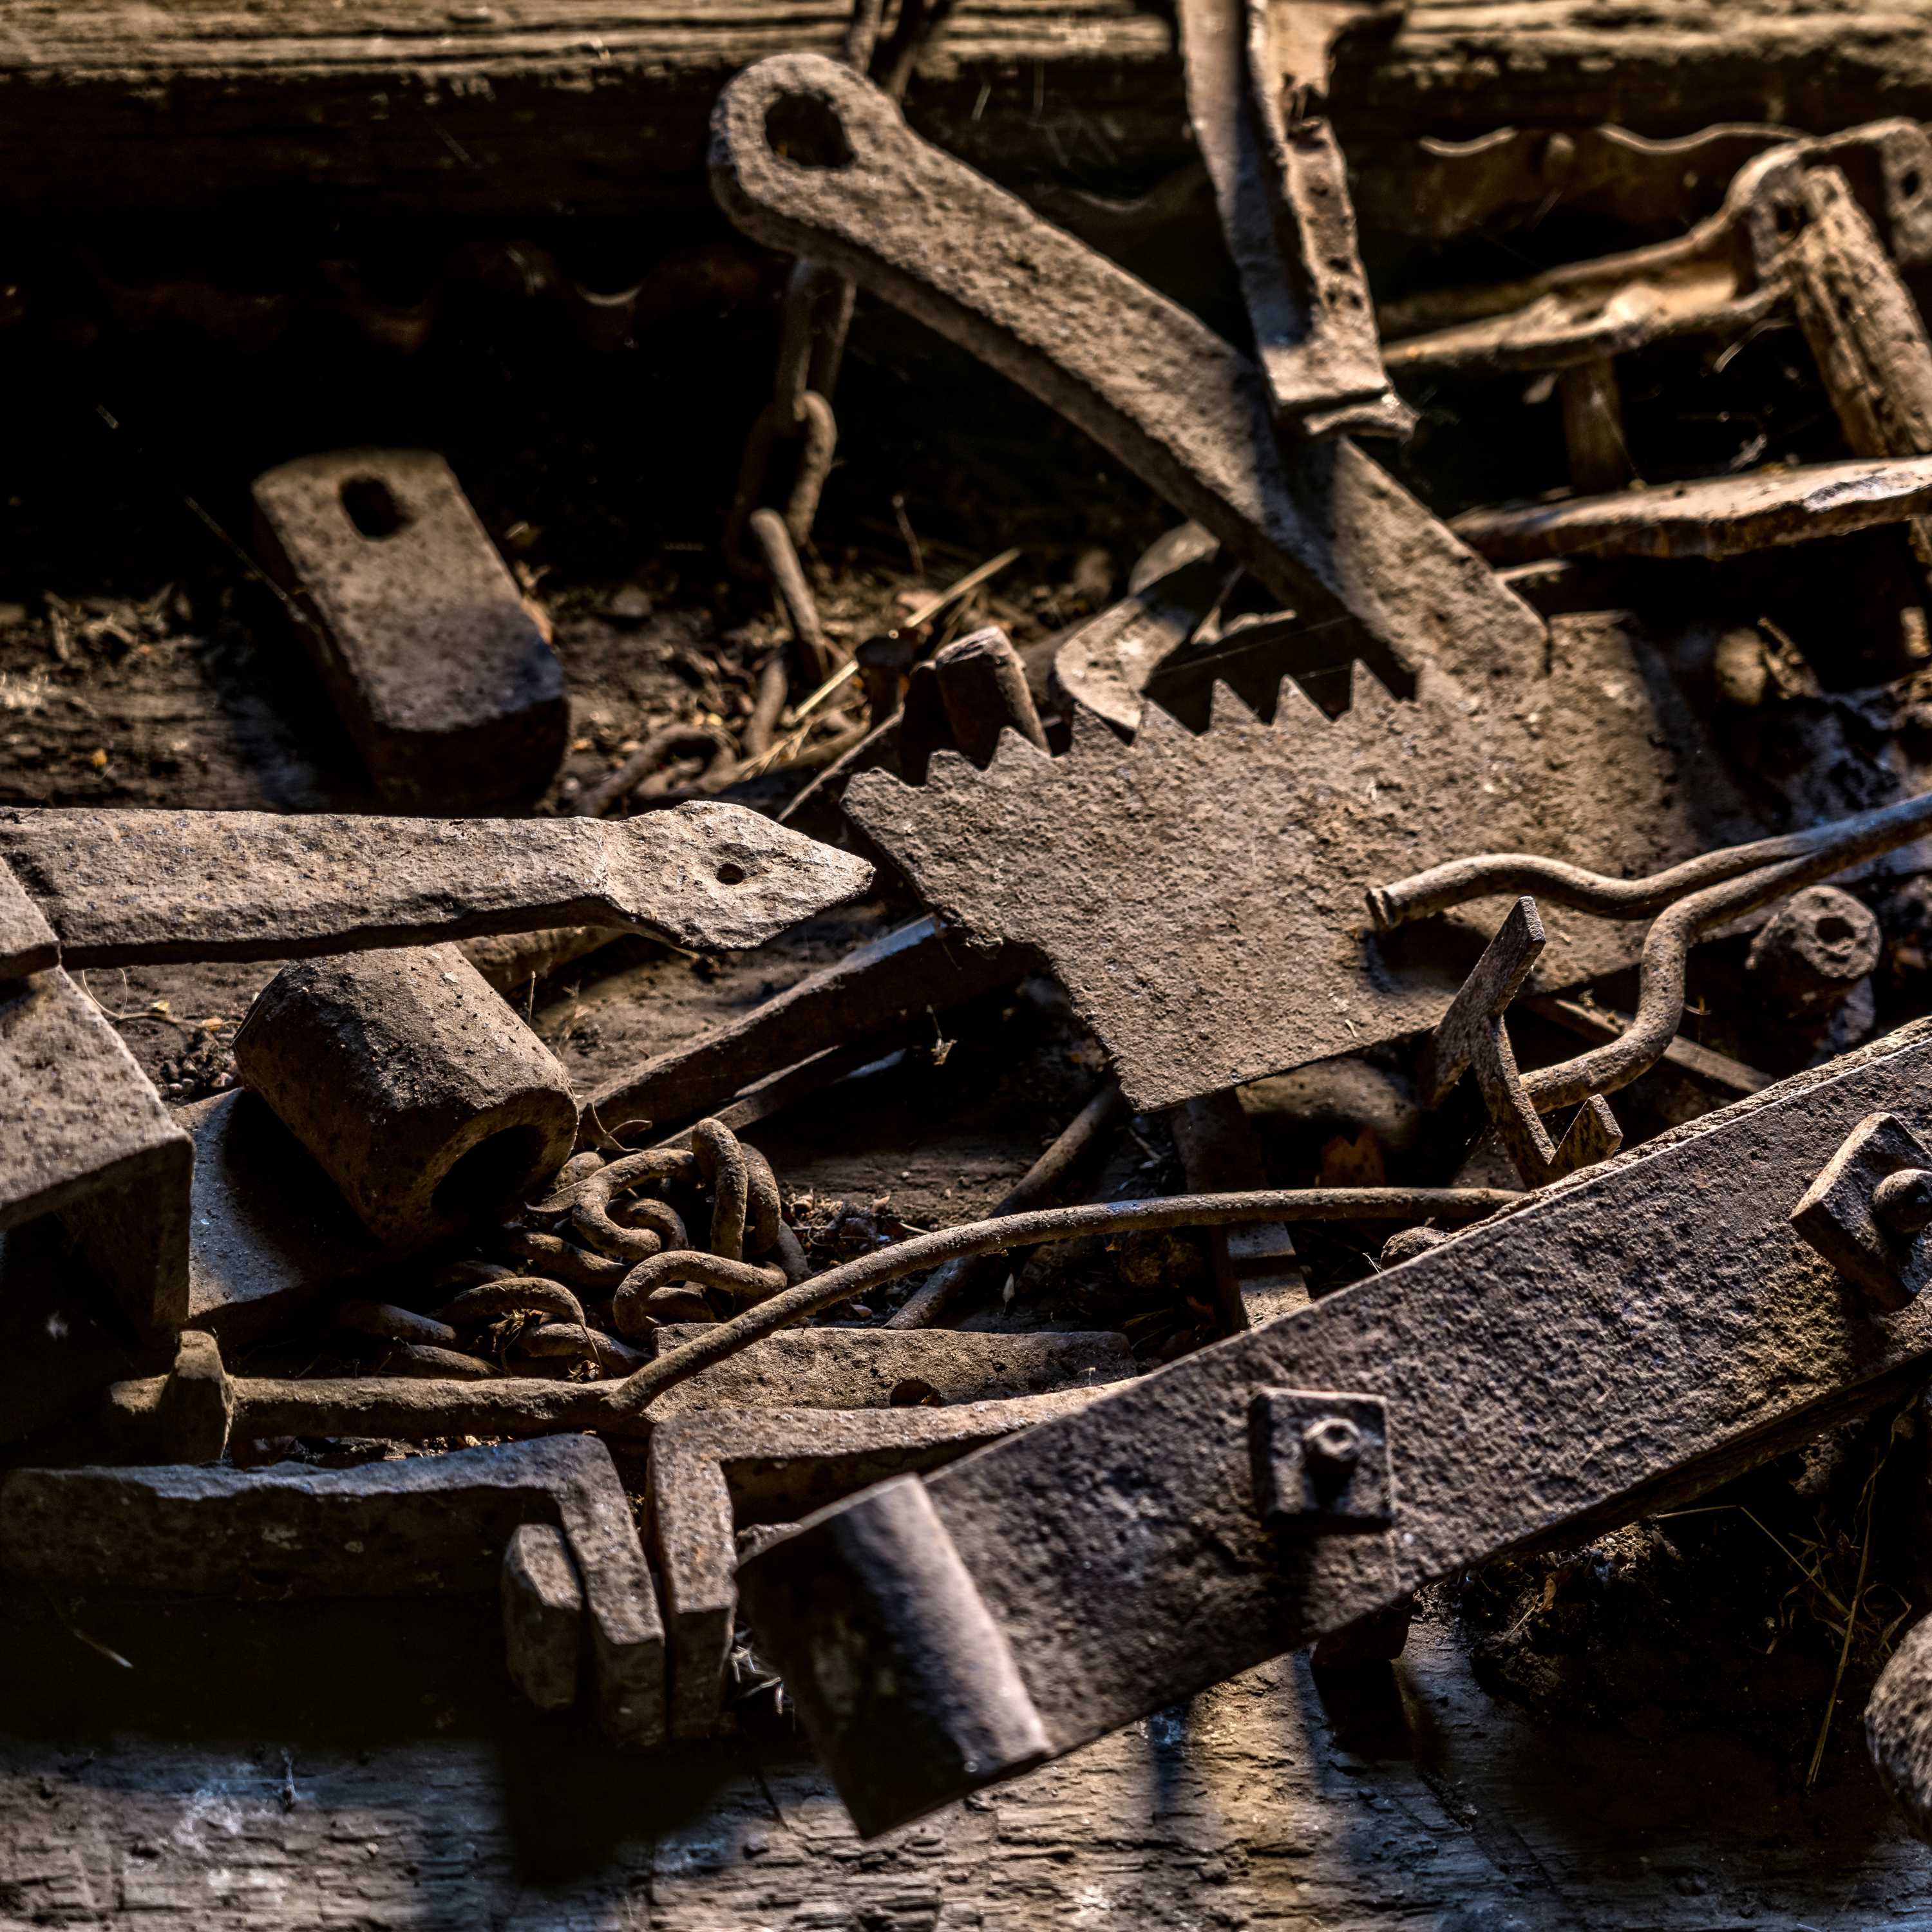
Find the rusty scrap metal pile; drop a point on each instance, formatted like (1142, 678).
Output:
(1427, 788)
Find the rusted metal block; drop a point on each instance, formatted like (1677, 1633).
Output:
(1373, 574)
(1201, 898)
(1715, 516)
(269, 1231)
(543, 1615)
(713, 1469)
(442, 673)
(428, 1524)
(27, 942)
(423, 1096)
(88, 1138)
(1628, 1338)
(121, 888)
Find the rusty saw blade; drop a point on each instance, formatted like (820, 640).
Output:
(1202, 899)
(123, 887)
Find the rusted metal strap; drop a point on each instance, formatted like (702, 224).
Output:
(1633, 1336)
(124, 887)
(1329, 533)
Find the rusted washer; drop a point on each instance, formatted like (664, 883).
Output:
(424, 1098)
(444, 676)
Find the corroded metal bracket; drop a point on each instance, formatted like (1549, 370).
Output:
(1633, 1336)
(1868, 1211)
(1472, 1035)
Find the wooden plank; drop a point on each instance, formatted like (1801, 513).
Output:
(535, 107)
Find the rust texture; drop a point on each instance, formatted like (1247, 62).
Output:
(1167, 880)
(1329, 533)
(1681, 1330)
(443, 675)
(121, 887)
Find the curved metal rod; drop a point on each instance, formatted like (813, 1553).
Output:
(1666, 952)
(525, 1406)
(1847, 841)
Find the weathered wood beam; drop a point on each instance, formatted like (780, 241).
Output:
(525, 108)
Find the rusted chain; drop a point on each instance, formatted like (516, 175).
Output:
(527, 1405)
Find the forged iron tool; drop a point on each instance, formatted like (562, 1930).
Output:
(426, 1525)
(1257, 84)
(121, 888)
(1718, 279)
(807, 158)
(1630, 1337)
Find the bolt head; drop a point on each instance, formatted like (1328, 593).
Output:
(1332, 1442)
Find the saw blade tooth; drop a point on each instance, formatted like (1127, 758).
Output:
(1015, 756)
(947, 771)
(1295, 711)
(1227, 710)
(1092, 737)
(1159, 727)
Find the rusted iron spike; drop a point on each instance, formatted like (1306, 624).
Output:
(1472, 1035)
(1718, 279)
(1328, 533)
(1282, 190)
(1633, 1336)
(1715, 516)
(429, 1524)
(120, 888)
(411, 1411)
(874, 989)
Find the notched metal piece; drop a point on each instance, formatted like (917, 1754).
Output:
(1199, 897)
(1843, 1215)
(1473, 1034)
(1323, 1466)
(123, 888)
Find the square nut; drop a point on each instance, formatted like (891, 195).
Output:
(1841, 1214)
(1321, 1462)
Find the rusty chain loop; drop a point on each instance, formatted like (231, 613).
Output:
(816, 315)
